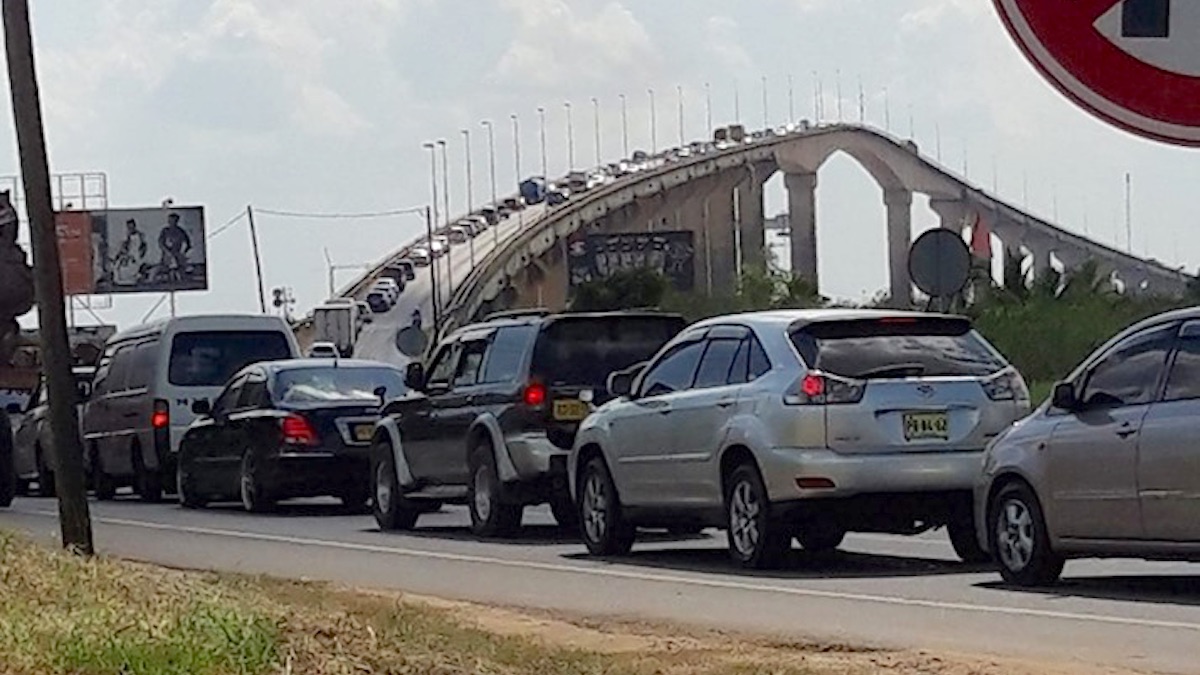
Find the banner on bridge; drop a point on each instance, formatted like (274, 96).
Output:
(597, 256)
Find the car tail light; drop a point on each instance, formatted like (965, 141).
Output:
(161, 417)
(534, 395)
(814, 483)
(1007, 385)
(817, 388)
(298, 431)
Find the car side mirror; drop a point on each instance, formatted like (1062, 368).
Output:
(381, 394)
(84, 389)
(620, 383)
(202, 407)
(13, 408)
(414, 376)
(1064, 397)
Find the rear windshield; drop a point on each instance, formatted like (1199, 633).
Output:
(314, 385)
(897, 348)
(584, 351)
(210, 358)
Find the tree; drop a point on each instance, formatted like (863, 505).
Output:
(624, 289)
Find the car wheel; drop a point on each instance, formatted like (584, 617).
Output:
(490, 516)
(356, 498)
(820, 537)
(186, 488)
(8, 471)
(45, 480)
(392, 511)
(255, 497)
(963, 538)
(602, 524)
(1019, 539)
(147, 483)
(103, 484)
(565, 513)
(756, 541)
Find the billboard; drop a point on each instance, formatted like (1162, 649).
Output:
(597, 256)
(74, 232)
(153, 250)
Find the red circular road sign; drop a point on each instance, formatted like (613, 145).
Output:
(1133, 63)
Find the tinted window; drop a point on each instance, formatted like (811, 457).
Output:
(759, 363)
(896, 348)
(227, 400)
(741, 363)
(320, 384)
(142, 368)
(254, 394)
(504, 359)
(443, 365)
(470, 363)
(717, 362)
(674, 372)
(120, 369)
(585, 350)
(209, 359)
(1129, 374)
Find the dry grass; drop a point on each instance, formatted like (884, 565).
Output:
(63, 615)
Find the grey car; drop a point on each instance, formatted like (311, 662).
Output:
(34, 455)
(1109, 466)
(797, 425)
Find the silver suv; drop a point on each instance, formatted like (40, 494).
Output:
(797, 424)
(1109, 466)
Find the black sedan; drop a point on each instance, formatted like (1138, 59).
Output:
(284, 430)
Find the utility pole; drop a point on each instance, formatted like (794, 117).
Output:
(262, 293)
(74, 519)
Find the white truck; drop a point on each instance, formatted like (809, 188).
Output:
(337, 323)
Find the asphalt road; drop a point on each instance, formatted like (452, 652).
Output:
(880, 590)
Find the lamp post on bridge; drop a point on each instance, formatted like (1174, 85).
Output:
(653, 124)
(542, 133)
(470, 206)
(492, 169)
(624, 127)
(737, 103)
(679, 95)
(570, 137)
(449, 216)
(596, 123)
(708, 120)
(766, 110)
(516, 127)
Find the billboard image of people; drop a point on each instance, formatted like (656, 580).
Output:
(597, 256)
(153, 250)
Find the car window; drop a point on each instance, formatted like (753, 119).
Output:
(674, 372)
(120, 369)
(227, 399)
(1129, 374)
(210, 358)
(717, 362)
(254, 394)
(442, 366)
(142, 367)
(759, 363)
(470, 362)
(507, 354)
(1183, 382)
(739, 369)
(585, 350)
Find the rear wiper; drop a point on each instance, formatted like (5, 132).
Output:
(893, 370)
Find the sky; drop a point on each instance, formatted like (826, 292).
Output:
(322, 106)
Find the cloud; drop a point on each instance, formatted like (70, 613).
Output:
(723, 42)
(557, 42)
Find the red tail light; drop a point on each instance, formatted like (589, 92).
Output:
(534, 395)
(161, 417)
(812, 385)
(298, 431)
(821, 389)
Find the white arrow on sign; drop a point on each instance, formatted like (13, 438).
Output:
(1178, 51)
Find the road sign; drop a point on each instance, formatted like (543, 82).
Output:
(939, 263)
(1133, 63)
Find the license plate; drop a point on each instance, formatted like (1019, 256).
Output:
(364, 432)
(570, 410)
(924, 426)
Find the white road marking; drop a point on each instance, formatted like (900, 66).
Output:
(649, 577)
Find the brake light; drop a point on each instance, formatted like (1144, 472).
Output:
(822, 389)
(1007, 385)
(898, 320)
(534, 395)
(161, 417)
(298, 431)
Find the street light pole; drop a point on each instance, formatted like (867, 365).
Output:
(624, 127)
(679, 95)
(653, 124)
(570, 138)
(791, 100)
(766, 111)
(470, 207)
(431, 215)
(708, 120)
(436, 296)
(737, 103)
(449, 216)
(492, 163)
(596, 123)
(542, 133)
(516, 145)
(433, 193)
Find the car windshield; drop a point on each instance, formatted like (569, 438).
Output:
(324, 384)
(583, 351)
(896, 348)
(210, 358)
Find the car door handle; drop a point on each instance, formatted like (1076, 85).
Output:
(1126, 430)
(726, 404)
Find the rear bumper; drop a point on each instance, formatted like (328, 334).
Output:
(541, 466)
(854, 475)
(316, 474)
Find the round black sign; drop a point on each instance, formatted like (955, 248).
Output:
(939, 263)
(411, 341)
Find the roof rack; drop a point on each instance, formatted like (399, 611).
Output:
(517, 314)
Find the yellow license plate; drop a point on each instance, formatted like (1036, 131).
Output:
(363, 432)
(924, 426)
(570, 410)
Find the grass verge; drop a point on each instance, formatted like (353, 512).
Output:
(63, 615)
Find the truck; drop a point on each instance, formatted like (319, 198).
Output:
(337, 323)
(533, 190)
(737, 133)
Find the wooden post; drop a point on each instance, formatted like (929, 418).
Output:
(74, 518)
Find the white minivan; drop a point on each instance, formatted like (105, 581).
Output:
(146, 382)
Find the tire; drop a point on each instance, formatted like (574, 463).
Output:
(602, 525)
(256, 498)
(391, 510)
(820, 538)
(8, 470)
(565, 513)
(46, 486)
(490, 516)
(147, 483)
(756, 541)
(103, 484)
(185, 487)
(963, 538)
(1017, 534)
(356, 498)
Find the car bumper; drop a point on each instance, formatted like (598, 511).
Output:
(534, 456)
(854, 475)
(316, 474)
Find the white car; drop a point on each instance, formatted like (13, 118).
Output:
(420, 256)
(388, 286)
(323, 350)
